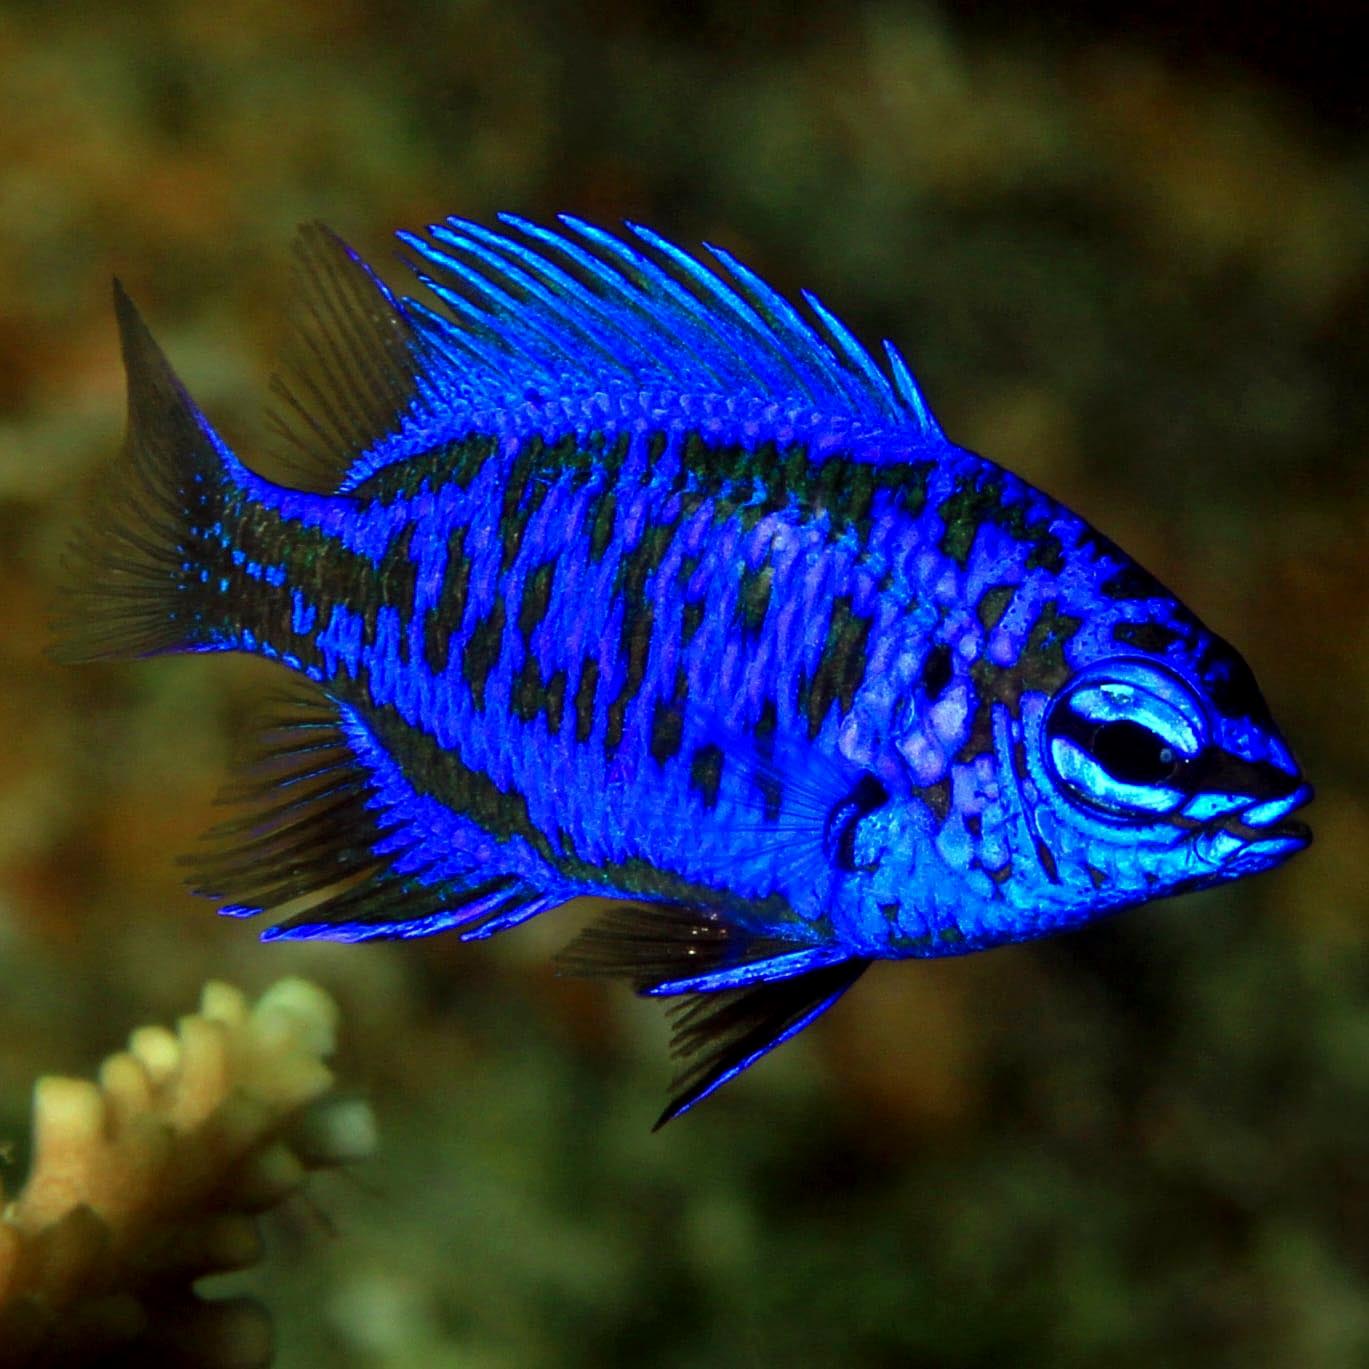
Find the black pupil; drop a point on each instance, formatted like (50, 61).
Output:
(1132, 753)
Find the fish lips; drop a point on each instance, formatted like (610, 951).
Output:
(1263, 831)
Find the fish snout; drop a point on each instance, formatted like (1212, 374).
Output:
(1262, 832)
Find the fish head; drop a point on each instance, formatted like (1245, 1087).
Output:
(1159, 772)
(1101, 766)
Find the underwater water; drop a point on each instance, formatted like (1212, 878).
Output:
(1135, 279)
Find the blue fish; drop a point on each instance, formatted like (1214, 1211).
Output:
(608, 571)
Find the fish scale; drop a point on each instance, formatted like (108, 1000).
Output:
(611, 574)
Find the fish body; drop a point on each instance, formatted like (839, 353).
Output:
(613, 576)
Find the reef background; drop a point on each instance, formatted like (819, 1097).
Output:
(1132, 266)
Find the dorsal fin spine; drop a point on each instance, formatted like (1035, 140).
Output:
(907, 388)
(852, 350)
(785, 320)
(844, 378)
(728, 301)
(498, 305)
(636, 266)
(642, 272)
(611, 281)
(441, 337)
(587, 263)
(793, 369)
(523, 268)
(745, 337)
(477, 318)
(490, 350)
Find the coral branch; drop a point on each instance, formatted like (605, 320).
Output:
(151, 1179)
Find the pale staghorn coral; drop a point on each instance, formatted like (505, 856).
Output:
(151, 1179)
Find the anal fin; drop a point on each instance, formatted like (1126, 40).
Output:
(316, 843)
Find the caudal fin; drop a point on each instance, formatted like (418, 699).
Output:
(138, 570)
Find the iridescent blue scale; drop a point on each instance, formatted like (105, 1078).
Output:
(608, 573)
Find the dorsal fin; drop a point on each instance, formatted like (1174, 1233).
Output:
(580, 311)
(352, 383)
(566, 321)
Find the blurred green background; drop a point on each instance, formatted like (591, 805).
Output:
(1130, 266)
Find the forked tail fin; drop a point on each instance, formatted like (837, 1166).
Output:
(140, 569)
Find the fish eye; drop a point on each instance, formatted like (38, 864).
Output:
(1133, 753)
(1119, 736)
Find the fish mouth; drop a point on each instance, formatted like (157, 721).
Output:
(1262, 833)
(1269, 819)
